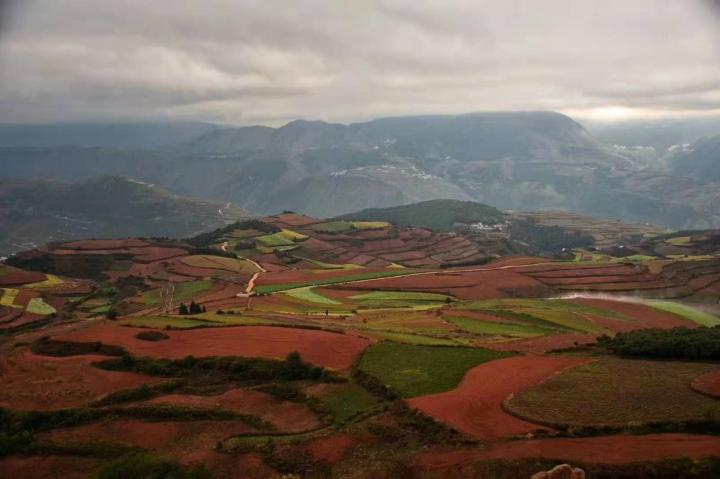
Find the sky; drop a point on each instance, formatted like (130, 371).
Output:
(271, 61)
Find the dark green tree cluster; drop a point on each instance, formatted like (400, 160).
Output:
(678, 343)
(194, 308)
(547, 239)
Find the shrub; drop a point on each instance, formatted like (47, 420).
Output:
(150, 466)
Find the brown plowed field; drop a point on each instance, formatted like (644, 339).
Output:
(47, 467)
(331, 449)
(474, 407)
(18, 277)
(285, 416)
(323, 348)
(37, 382)
(541, 344)
(708, 384)
(106, 244)
(616, 449)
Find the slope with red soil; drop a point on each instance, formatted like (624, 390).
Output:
(475, 406)
(37, 382)
(617, 449)
(337, 351)
(708, 384)
(285, 416)
(645, 316)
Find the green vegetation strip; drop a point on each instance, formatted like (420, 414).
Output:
(39, 306)
(688, 312)
(478, 326)
(418, 370)
(308, 294)
(273, 288)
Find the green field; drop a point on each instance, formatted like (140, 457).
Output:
(39, 306)
(308, 294)
(479, 326)
(220, 263)
(414, 339)
(333, 227)
(232, 319)
(418, 370)
(273, 288)
(293, 236)
(183, 292)
(617, 392)
(347, 401)
(274, 240)
(688, 312)
(163, 322)
(400, 299)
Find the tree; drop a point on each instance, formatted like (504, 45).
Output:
(195, 308)
(183, 309)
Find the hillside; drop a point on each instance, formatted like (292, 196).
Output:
(34, 212)
(700, 160)
(518, 161)
(441, 215)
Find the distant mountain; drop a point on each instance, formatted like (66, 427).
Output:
(517, 161)
(439, 215)
(34, 212)
(701, 160)
(109, 135)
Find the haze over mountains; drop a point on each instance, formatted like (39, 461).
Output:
(519, 161)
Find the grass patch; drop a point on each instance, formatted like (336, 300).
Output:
(617, 392)
(39, 306)
(220, 263)
(333, 227)
(308, 294)
(688, 312)
(347, 401)
(183, 291)
(293, 236)
(678, 241)
(416, 339)
(234, 319)
(413, 370)
(370, 225)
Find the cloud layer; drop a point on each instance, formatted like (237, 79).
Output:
(270, 61)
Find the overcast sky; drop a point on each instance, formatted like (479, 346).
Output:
(268, 61)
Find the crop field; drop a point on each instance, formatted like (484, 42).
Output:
(274, 240)
(8, 297)
(183, 292)
(219, 262)
(617, 392)
(688, 312)
(39, 306)
(400, 299)
(309, 294)
(417, 370)
(492, 328)
(271, 288)
(345, 401)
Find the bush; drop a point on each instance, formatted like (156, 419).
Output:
(701, 343)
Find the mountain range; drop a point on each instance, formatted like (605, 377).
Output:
(34, 212)
(513, 161)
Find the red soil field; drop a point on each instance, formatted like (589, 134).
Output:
(616, 449)
(47, 467)
(290, 219)
(186, 270)
(37, 382)
(285, 416)
(578, 272)
(18, 277)
(156, 253)
(475, 406)
(645, 316)
(540, 344)
(582, 280)
(24, 296)
(465, 285)
(708, 384)
(331, 449)
(324, 348)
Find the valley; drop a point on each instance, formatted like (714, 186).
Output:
(289, 344)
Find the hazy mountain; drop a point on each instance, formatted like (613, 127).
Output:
(519, 161)
(35, 212)
(112, 135)
(700, 160)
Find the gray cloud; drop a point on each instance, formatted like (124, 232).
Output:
(270, 61)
